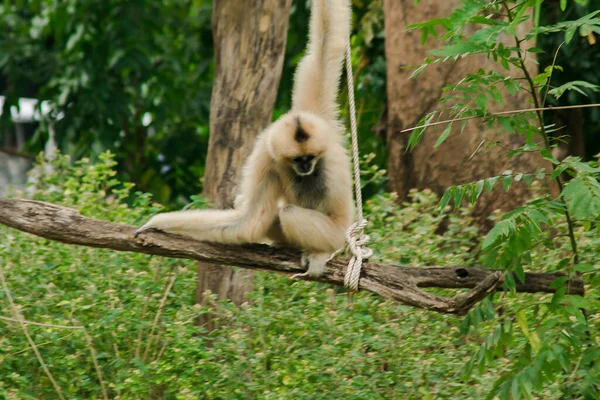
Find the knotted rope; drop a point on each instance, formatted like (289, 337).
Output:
(355, 235)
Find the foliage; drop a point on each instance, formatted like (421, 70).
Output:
(298, 339)
(579, 59)
(136, 77)
(293, 340)
(560, 333)
(132, 77)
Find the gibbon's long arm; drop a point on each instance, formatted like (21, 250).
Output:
(317, 78)
(260, 190)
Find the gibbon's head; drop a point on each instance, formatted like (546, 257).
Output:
(298, 141)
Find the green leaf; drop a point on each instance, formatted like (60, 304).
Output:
(495, 235)
(490, 183)
(535, 50)
(559, 295)
(559, 282)
(459, 194)
(75, 37)
(507, 182)
(522, 322)
(535, 342)
(563, 5)
(577, 86)
(541, 173)
(583, 268)
(417, 134)
(418, 70)
(457, 49)
(582, 195)
(443, 136)
(511, 85)
(478, 189)
(446, 198)
(578, 301)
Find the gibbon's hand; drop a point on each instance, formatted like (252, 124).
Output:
(146, 227)
(143, 229)
(156, 223)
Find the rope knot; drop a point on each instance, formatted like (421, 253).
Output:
(357, 240)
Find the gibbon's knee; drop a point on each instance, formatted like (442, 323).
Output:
(310, 230)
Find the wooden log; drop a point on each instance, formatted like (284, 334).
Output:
(400, 283)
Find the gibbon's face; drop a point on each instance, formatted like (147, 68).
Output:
(299, 141)
(304, 165)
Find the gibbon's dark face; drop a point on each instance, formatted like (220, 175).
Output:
(299, 142)
(304, 165)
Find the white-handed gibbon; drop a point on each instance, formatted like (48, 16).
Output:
(296, 187)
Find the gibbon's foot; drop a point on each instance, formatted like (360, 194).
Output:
(315, 264)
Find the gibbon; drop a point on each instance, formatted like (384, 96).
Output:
(296, 187)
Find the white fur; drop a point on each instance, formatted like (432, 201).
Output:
(269, 205)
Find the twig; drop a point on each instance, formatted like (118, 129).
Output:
(162, 350)
(551, 73)
(21, 320)
(41, 324)
(41, 344)
(90, 344)
(161, 307)
(138, 346)
(509, 112)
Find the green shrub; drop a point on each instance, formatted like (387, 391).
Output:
(293, 340)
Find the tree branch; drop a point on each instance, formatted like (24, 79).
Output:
(394, 282)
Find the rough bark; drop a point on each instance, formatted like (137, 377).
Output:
(249, 39)
(411, 99)
(394, 282)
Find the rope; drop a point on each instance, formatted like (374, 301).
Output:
(355, 235)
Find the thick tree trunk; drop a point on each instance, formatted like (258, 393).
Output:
(249, 40)
(411, 99)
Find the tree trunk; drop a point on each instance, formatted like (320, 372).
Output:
(411, 99)
(249, 40)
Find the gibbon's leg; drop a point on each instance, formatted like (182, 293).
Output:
(317, 78)
(315, 233)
